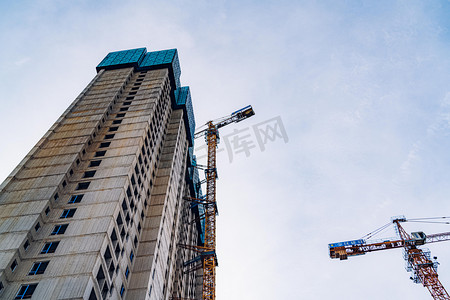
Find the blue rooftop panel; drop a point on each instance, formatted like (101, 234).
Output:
(161, 58)
(124, 58)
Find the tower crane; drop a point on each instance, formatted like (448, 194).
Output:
(208, 250)
(418, 261)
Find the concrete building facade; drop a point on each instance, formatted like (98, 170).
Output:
(96, 209)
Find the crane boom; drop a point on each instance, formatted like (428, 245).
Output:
(438, 237)
(343, 250)
(235, 117)
(418, 262)
(209, 249)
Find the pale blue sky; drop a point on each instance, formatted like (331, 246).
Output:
(362, 88)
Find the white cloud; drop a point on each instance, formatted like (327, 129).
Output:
(22, 61)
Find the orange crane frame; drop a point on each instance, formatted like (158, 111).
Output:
(424, 269)
(208, 251)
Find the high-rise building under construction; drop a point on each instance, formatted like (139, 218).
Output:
(96, 210)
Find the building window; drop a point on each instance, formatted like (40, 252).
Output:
(50, 247)
(83, 185)
(47, 211)
(68, 213)
(124, 205)
(26, 245)
(105, 291)
(100, 276)
(96, 163)
(56, 197)
(37, 227)
(131, 256)
(105, 144)
(26, 291)
(127, 272)
(114, 128)
(111, 270)
(126, 103)
(92, 296)
(1, 286)
(123, 108)
(13, 265)
(89, 174)
(109, 136)
(107, 255)
(119, 220)
(38, 268)
(75, 199)
(122, 291)
(113, 236)
(59, 229)
(64, 182)
(100, 153)
(115, 122)
(117, 252)
(120, 115)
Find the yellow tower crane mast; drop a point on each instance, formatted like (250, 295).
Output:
(208, 251)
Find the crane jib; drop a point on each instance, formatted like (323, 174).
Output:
(423, 269)
(347, 243)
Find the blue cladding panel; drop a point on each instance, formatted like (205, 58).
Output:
(190, 156)
(201, 212)
(196, 180)
(159, 57)
(164, 57)
(201, 208)
(125, 57)
(191, 173)
(176, 69)
(183, 100)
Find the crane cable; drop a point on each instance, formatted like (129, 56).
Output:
(416, 220)
(430, 222)
(376, 231)
(433, 218)
(423, 220)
